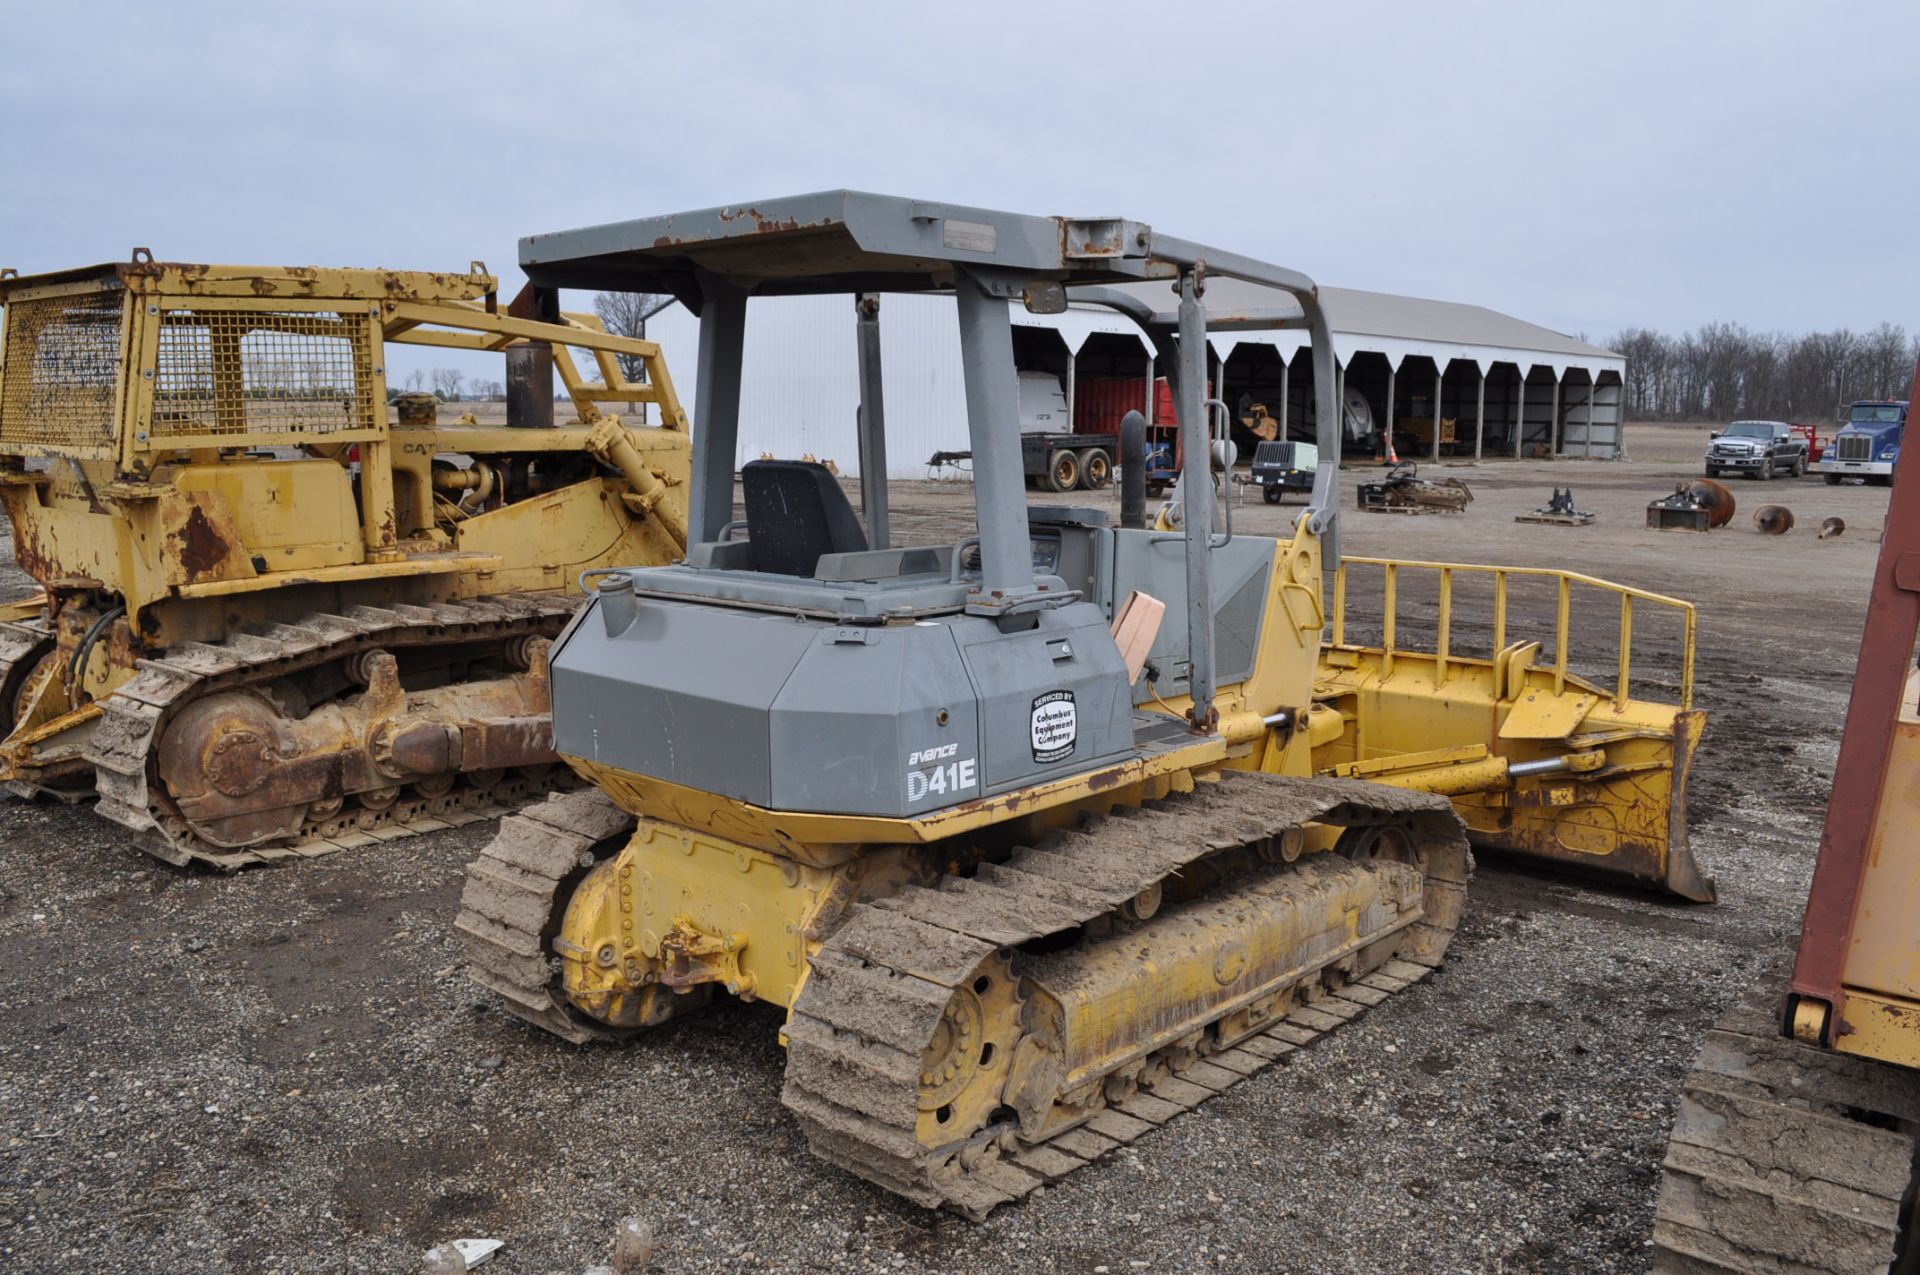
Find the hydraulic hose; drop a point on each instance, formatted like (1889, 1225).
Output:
(84, 652)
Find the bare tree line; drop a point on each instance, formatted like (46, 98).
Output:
(1722, 371)
(451, 385)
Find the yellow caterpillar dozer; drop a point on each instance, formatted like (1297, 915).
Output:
(1040, 838)
(278, 615)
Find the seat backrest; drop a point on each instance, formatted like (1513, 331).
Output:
(796, 511)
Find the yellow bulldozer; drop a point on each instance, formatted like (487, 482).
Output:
(280, 616)
(1044, 836)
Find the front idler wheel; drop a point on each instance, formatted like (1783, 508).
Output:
(1377, 843)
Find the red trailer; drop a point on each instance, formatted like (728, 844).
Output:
(1816, 445)
(1100, 401)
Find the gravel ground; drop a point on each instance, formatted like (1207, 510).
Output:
(287, 1071)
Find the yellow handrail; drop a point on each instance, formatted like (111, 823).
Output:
(1564, 584)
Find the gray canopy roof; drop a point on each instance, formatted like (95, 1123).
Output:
(853, 241)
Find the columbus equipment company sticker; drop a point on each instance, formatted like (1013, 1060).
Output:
(1055, 726)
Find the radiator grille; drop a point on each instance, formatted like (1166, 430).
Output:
(239, 372)
(1854, 447)
(62, 371)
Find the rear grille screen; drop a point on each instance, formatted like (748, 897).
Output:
(62, 372)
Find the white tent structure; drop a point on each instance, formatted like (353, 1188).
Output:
(1502, 386)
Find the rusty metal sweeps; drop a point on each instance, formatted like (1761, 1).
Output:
(1403, 491)
(1559, 511)
(1699, 505)
(1773, 520)
(1832, 527)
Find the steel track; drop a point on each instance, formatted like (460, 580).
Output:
(877, 988)
(125, 741)
(509, 908)
(865, 1018)
(1786, 1159)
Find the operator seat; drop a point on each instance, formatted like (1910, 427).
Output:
(796, 511)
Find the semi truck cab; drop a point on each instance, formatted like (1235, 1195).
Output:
(1868, 445)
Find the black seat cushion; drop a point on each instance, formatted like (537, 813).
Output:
(796, 511)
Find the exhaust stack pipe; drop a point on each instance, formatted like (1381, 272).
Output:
(1133, 470)
(530, 366)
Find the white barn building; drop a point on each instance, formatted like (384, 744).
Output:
(1508, 387)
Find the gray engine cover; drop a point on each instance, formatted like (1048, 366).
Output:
(804, 714)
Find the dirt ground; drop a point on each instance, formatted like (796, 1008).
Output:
(285, 1070)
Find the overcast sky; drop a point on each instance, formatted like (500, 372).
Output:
(1582, 166)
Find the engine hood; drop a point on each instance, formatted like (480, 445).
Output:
(1888, 433)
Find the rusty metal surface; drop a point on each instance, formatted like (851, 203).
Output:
(1773, 520)
(1716, 498)
(1860, 774)
(241, 771)
(255, 784)
(689, 957)
(143, 275)
(199, 545)
(62, 356)
(228, 360)
(154, 386)
(502, 743)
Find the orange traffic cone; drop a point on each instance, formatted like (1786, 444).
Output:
(1393, 457)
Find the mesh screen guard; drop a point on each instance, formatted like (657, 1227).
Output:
(62, 371)
(240, 372)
